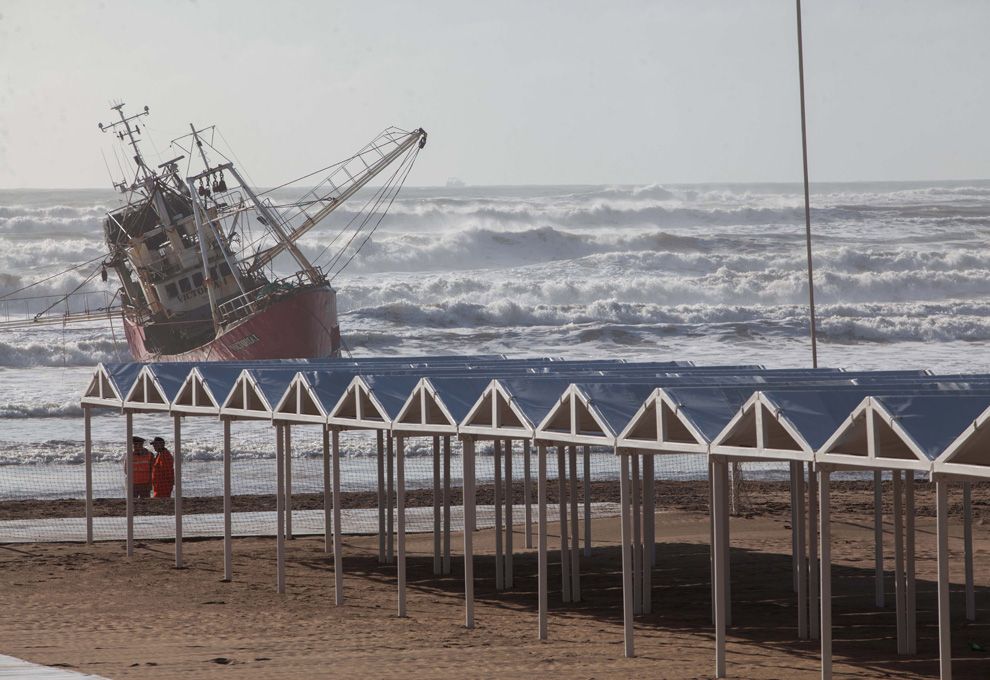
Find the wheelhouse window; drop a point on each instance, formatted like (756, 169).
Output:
(197, 278)
(184, 285)
(171, 290)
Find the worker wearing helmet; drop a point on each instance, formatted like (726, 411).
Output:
(142, 461)
(162, 472)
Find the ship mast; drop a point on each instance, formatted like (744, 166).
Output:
(273, 221)
(202, 219)
(129, 132)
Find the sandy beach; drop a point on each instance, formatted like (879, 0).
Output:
(92, 609)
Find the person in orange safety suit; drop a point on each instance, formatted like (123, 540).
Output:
(141, 462)
(162, 472)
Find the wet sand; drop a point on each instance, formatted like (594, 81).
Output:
(758, 498)
(90, 608)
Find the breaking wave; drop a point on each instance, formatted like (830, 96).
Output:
(40, 410)
(56, 352)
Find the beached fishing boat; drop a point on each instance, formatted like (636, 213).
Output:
(212, 269)
(193, 287)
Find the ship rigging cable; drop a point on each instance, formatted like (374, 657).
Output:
(375, 198)
(408, 166)
(74, 267)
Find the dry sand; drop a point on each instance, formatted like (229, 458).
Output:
(90, 608)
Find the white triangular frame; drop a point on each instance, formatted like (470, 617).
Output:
(101, 391)
(289, 407)
(762, 408)
(496, 393)
(944, 465)
(871, 409)
(569, 400)
(658, 401)
(422, 395)
(357, 389)
(138, 397)
(248, 387)
(202, 401)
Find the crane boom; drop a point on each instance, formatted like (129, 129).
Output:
(347, 178)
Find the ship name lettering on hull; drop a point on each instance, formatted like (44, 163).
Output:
(195, 292)
(245, 342)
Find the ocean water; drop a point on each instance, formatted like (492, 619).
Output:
(711, 273)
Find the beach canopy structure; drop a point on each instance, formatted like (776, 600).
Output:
(814, 421)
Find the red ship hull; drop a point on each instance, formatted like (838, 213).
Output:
(301, 325)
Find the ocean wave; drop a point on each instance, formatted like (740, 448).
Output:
(677, 279)
(52, 211)
(871, 322)
(485, 247)
(32, 225)
(482, 247)
(40, 410)
(32, 352)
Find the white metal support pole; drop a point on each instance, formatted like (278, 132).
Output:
(499, 562)
(636, 537)
(649, 531)
(400, 482)
(380, 437)
(509, 514)
(565, 553)
(446, 505)
(807, 197)
(711, 533)
(910, 590)
(720, 578)
(338, 528)
(329, 528)
(228, 545)
(437, 529)
(528, 494)
(878, 537)
(968, 550)
(813, 580)
(389, 499)
(826, 576)
(129, 481)
(88, 460)
(899, 595)
(801, 530)
(587, 501)
(288, 482)
(650, 507)
(541, 511)
(575, 528)
(468, 533)
(944, 614)
(794, 524)
(627, 561)
(279, 510)
(177, 457)
(726, 544)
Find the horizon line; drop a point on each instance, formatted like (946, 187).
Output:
(467, 185)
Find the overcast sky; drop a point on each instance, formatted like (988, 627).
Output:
(511, 92)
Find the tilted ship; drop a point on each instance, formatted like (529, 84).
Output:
(198, 280)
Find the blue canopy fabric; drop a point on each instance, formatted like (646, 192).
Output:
(934, 421)
(932, 409)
